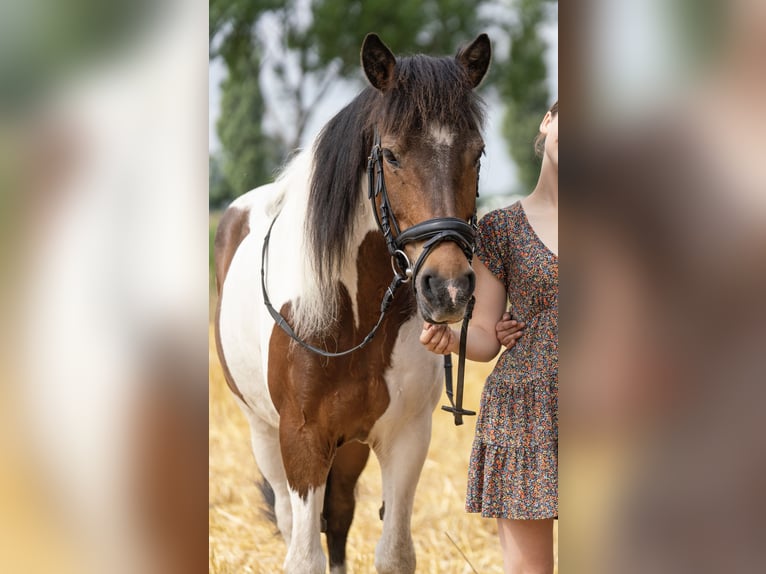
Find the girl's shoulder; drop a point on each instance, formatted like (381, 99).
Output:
(495, 243)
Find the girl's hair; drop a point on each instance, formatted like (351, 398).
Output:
(540, 138)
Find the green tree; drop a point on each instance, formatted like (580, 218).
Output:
(429, 26)
(232, 27)
(523, 87)
(219, 191)
(249, 156)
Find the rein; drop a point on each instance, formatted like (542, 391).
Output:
(433, 232)
(285, 326)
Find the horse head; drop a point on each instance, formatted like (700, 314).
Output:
(427, 123)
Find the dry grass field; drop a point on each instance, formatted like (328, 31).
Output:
(447, 540)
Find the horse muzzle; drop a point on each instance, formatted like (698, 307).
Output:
(443, 300)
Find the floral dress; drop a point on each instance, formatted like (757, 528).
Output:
(513, 472)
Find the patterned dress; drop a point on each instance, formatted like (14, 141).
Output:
(513, 472)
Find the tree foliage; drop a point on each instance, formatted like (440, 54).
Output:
(249, 156)
(219, 190)
(524, 89)
(429, 26)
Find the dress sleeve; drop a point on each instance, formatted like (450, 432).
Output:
(488, 244)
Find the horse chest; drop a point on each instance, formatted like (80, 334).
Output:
(345, 397)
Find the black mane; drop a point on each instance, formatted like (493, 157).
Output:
(426, 90)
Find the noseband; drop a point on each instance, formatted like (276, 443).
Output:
(434, 232)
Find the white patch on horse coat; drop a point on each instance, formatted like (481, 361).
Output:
(245, 324)
(242, 322)
(413, 379)
(442, 138)
(305, 554)
(400, 439)
(452, 291)
(441, 135)
(267, 453)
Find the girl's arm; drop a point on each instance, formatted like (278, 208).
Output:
(482, 344)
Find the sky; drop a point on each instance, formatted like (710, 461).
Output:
(498, 170)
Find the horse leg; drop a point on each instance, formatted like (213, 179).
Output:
(307, 457)
(401, 450)
(265, 446)
(339, 501)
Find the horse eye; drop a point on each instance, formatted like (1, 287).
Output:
(390, 157)
(478, 157)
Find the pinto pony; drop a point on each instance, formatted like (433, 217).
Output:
(326, 268)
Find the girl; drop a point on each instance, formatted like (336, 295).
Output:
(513, 471)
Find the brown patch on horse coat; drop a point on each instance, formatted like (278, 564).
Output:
(324, 403)
(232, 229)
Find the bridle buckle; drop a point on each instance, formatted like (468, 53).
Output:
(401, 265)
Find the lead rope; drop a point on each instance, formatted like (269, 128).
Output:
(456, 406)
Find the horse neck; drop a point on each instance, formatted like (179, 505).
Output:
(364, 229)
(364, 267)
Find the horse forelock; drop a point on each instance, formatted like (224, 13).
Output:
(430, 91)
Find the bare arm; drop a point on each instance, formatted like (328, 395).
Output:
(482, 344)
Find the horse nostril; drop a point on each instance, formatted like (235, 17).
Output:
(432, 285)
(428, 280)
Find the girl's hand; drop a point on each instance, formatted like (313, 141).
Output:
(508, 330)
(438, 339)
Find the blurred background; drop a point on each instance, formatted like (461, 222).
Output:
(103, 250)
(280, 70)
(662, 219)
(104, 228)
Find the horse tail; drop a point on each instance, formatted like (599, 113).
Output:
(267, 493)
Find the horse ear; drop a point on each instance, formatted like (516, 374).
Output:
(475, 58)
(378, 62)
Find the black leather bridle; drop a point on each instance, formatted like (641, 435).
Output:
(433, 232)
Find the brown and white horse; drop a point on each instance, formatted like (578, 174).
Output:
(314, 419)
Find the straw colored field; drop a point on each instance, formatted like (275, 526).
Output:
(447, 540)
